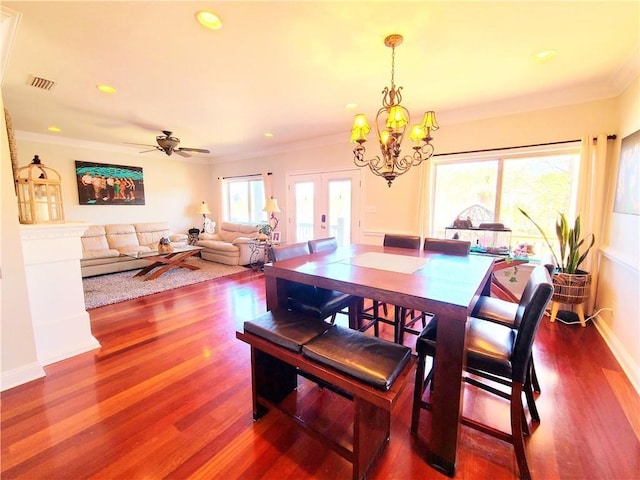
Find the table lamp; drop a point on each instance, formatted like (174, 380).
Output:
(272, 207)
(204, 211)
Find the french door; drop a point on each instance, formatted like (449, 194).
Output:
(324, 205)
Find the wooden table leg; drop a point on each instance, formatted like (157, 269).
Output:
(271, 379)
(371, 427)
(172, 260)
(446, 398)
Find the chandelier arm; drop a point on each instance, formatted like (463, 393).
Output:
(423, 153)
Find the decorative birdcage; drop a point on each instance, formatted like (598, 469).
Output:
(39, 192)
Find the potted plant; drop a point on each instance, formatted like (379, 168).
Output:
(571, 285)
(265, 231)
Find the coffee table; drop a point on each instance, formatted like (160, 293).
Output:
(165, 262)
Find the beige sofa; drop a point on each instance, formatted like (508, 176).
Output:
(231, 244)
(113, 248)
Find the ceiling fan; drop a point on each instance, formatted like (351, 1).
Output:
(169, 144)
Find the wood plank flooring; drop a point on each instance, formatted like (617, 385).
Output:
(169, 396)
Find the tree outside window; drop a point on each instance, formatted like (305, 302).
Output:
(543, 184)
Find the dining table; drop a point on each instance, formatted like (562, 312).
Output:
(447, 286)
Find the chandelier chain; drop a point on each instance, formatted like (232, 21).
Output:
(393, 67)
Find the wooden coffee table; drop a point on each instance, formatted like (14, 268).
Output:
(165, 262)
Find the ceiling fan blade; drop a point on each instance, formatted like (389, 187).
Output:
(199, 150)
(153, 150)
(141, 144)
(181, 153)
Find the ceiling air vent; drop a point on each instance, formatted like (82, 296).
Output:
(42, 83)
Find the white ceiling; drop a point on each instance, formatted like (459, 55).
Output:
(291, 67)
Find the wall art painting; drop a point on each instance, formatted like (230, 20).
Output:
(106, 184)
(627, 189)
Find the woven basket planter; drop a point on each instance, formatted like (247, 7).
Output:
(571, 288)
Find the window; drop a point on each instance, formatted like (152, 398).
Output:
(542, 183)
(243, 200)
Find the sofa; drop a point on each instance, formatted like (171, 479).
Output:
(231, 245)
(114, 248)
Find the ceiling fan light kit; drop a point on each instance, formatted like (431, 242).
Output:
(391, 122)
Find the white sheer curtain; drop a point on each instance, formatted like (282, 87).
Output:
(221, 203)
(268, 186)
(424, 200)
(591, 202)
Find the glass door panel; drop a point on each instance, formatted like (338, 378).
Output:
(325, 205)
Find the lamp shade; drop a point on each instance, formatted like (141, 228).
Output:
(204, 209)
(271, 206)
(360, 129)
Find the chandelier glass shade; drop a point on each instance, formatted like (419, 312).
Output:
(391, 123)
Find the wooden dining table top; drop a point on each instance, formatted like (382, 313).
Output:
(425, 281)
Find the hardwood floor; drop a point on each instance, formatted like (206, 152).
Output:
(169, 396)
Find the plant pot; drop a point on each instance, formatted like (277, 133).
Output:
(571, 288)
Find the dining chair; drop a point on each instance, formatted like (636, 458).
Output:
(316, 301)
(400, 314)
(408, 319)
(499, 354)
(505, 313)
(328, 244)
(443, 245)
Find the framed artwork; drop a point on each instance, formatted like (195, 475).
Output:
(106, 184)
(627, 189)
(275, 237)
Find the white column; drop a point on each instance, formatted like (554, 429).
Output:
(61, 323)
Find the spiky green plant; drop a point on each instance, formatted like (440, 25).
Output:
(570, 243)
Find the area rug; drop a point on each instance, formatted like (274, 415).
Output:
(118, 287)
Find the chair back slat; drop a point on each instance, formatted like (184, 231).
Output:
(402, 241)
(328, 244)
(451, 247)
(284, 252)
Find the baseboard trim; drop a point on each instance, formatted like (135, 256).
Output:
(627, 364)
(21, 375)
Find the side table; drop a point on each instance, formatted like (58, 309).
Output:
(258, 253)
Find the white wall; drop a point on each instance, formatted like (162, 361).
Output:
(396, 207)
(618, 282)
(18, 358)
(173, 186)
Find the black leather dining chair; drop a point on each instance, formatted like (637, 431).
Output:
(407, 319)
(328, 244)
(315, 301)
(505, 313)
(497, 353)
(444, 245)
(402, 318)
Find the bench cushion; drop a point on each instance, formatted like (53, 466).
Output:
(290, 330)
(372, 360)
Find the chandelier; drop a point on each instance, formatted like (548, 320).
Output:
(391, 122)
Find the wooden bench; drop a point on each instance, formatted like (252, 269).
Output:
(280, 346)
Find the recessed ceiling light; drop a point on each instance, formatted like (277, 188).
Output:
(268, 134)
(351, 106)
(54, 129)
(545, 55)
(106, 88)
(209, 20)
